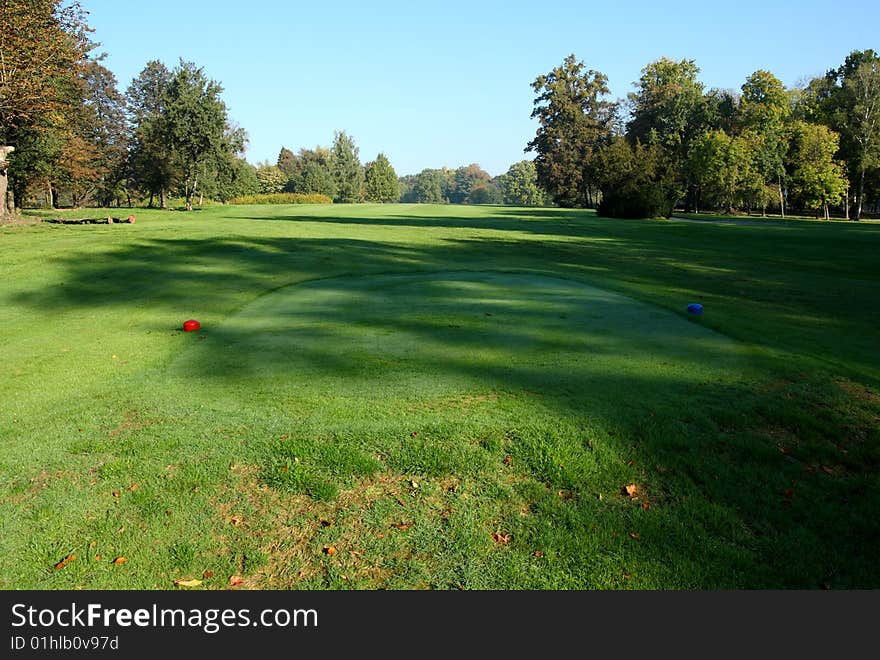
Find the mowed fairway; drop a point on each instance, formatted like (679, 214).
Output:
(439, 397)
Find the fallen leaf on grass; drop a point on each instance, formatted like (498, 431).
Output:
(538, 553)
(565, 495)
(93, 544)
(115, 493)
(133, 487)
(501, 538)
(635, 535)
(645, 506)
(326, 523)
(627, 576)
(187, 583)
(827, 470)
(508, 460)
(120, 530)
(631, 490)
(208, 575)
(402, 526)
(64, 562)
(119, 560)
(401, 502)
(329, 550)
(98, 557)
(236, 520)
(235, 580)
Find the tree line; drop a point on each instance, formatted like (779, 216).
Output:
(69, 136)
(672, 142)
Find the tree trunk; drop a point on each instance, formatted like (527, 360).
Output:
(846, 200)
(162, 204)
(861, 194)
(53, 195)
(781, 199)
(5, 206)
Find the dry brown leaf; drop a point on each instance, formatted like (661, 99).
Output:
(235, 580)
(98, 557)
(827, 470)
(133, 487)
(401, 502)
(403, 526)
(626, 575)
(538, 553)
(330, 550)
(120, 530)
(119, 560)
(187, 583)
(93, 544)
(208, 575)
(413, 434)
(508, 460)
(115, 493)
(631, 490)
(501, 538)
(646, 506)
(325, 522)
(635, 535)
(64, 562)
(236, 520)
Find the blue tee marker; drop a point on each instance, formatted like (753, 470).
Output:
(695, 308)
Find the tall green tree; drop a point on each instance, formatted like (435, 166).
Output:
(858, 116)
(718, 164)
(817, 178)
(668, 109)
(287, 162)
(43, 46)
(765, 111)
(636, 181)
(381, 180)
(151, 164)
(195, 122)
(519, 185)
(428, 187)
(104, 125)
(311, 171)
(574, 121)
(347, 169)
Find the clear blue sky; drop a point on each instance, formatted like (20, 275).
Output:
(447, 83)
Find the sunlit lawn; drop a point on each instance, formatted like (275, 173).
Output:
(438, 397)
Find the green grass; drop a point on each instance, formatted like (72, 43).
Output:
(451, 397)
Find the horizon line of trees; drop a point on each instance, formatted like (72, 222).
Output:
(68, 136)
(673, 143)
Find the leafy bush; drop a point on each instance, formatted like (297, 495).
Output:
(282, 198)
(636, 181)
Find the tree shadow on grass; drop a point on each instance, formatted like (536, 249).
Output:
(716, 440)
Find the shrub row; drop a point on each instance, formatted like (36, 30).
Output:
(282, 198)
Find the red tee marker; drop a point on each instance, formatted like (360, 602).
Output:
(192, 324)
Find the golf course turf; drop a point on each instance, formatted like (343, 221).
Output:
(418, 396)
